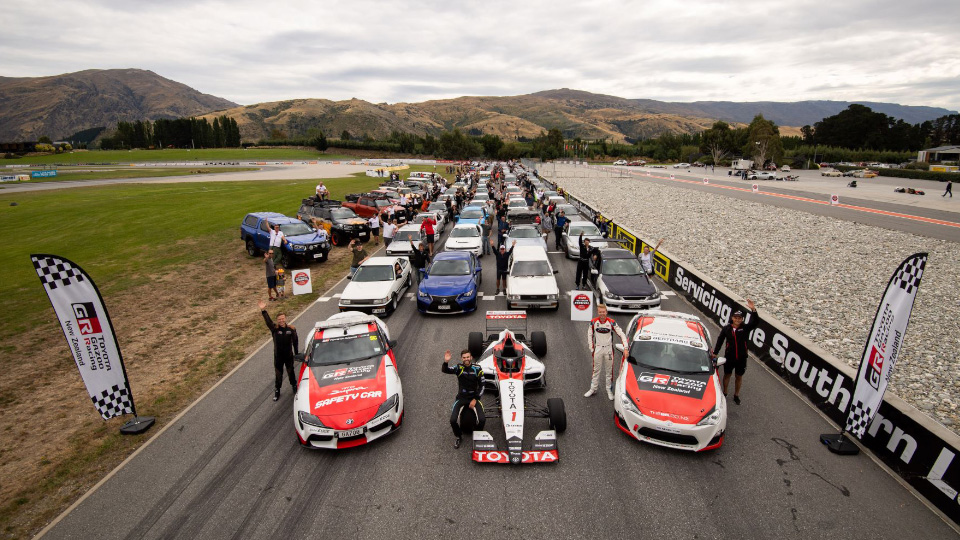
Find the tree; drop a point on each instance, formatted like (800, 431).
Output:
(319, 142)
(491, 145)
(763, 141)
(717, 142)
(44, 139)
(455, 145)
(277, 134)
(345, 136)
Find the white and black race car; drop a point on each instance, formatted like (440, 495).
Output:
(349, 392)
(503, 350)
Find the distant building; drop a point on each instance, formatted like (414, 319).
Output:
(18, 147)
(939, 154)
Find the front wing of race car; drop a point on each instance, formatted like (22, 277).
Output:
(544, 449)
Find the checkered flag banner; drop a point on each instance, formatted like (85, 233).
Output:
(884, 343)
(89, 333)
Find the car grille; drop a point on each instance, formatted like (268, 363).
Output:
(445, 301)
(636, 298)
(688, 440)
(533, 297)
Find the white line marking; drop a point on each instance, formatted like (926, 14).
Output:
(668, 293)
(489, 297)
(337, 295)
(409, 295)
(323, 299)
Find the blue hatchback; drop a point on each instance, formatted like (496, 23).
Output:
(472, 215)
(451, 284)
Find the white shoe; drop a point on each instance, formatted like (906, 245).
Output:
(610, 394)
(590, 392)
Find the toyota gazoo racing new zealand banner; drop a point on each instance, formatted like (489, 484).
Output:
(89, 333)
(884, 343)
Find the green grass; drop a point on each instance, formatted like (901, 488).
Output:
(133, 172)
(120, 234)
(141, 156)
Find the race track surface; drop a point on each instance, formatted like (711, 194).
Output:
(231, 466)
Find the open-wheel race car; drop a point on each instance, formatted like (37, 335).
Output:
(512, 355)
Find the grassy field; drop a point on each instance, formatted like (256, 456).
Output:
(132, 172)
(143, 156)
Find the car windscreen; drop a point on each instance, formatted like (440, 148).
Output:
(587, 230)
(464, 232)
(296, 229)
(481, 197)
(531, 268)
(517, 203)
(621, 267)
(343, 213)
(406, 236)
(471, 214)
(344, 349)
(524, 232)
(670, 356)
(382, 203)
(450, 268)
(378, 272)
(424, 215)
(437, 207)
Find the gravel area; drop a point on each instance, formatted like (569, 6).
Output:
(822, 276)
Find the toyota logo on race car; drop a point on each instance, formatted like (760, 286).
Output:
(349, 421)
(581, 302)
(301, 278)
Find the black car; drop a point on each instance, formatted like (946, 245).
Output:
(342, 224)
(623, 285)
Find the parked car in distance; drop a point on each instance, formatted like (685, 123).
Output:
(831, 172)
(342, 224)
(303, 242)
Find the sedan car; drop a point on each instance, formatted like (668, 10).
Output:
(622, 283)
(465, 237)
(570, 238)
(568, 209)
(668, 391)
(682, 166)
(439, 217)
(450, 284)
(349, 391)
(471, 215)
(378, 286)
(833, 172)
(761, 175)
(525, 235)
(620, 162)
(531, 280)
(516, 202)
(405, 240)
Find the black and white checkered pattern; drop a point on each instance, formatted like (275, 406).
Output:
(908, 278)
(859, 419)
(55, 272)
(113, 402)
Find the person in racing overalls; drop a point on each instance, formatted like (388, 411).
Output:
(469, 392)
(285, 347)
(600, 339)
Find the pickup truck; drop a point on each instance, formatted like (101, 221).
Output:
(366, 206)
(342, 224)
(303, 242)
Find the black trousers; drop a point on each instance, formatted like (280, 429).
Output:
(557, 231)
(278, 365)
(583, 272)
(460, 413)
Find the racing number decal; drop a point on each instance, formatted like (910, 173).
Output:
(514, 419)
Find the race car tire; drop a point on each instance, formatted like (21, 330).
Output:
(475, 343)
(538, 344)
(252, 248)
(558, 414)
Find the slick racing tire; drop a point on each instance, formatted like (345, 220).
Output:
(538, 344)
(475, 344)
(558, 414)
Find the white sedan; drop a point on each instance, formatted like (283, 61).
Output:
(465, 237)
(378, 286)
(531, 280)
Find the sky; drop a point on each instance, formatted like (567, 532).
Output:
(403, 51)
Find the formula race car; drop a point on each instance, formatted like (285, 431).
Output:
(349, 392)
(503, 350)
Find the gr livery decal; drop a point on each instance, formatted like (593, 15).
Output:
(688, 385)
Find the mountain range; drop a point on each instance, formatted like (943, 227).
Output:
(61, 105)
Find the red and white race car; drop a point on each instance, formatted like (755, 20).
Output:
(505, 351)
(668, 391)
(349, 391)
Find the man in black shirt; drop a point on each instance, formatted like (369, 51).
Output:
(735, 334)
(469, 392)
(286, 345)
(503, 263)
(583, 262)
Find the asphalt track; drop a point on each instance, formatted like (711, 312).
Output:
(231, 466)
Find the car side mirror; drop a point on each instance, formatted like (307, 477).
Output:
(392, 343)
(299, 357)
(349, 277)
(631, 359)
(556, 271)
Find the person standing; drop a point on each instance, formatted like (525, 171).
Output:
(503, 263)
(735, 335)
(949, 190)
(358, 255)
(469, 392)
(583, 261)
(600, 341)
(389, 229)
(427, 227)
(646, 258)
(485, 226)
(277, 240)
(546, 225)
(286, 345)
(558, 226)
(271, 275)
(374, 223)
(419, 258)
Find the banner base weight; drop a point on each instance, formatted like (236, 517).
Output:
(839, 444)
(138, 425)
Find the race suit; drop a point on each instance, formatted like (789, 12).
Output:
(736, 340)
(600, 339)
(285, 346)
(470, 387)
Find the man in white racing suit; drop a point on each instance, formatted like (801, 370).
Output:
(600, 339)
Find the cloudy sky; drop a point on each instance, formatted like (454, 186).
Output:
(735, 50)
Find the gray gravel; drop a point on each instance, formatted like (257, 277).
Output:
(822, 276)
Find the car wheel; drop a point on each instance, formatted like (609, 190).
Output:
(475, 343)
(394, 304)
(252, 248)
(286, 259)
(558, 414)
(538, 344)
(409, 281)
(323, 256)
(338, 238)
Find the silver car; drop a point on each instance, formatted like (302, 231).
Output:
(570, 238)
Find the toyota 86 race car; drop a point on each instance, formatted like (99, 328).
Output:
(668, 391)
(511, 360)
(349, 391)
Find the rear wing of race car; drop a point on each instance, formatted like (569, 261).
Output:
(544, 450)
(515, 321)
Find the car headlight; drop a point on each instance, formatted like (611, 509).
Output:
(611, 296)
(345, 302)
(422, 294)
(299, 247)
(513, 297)
(390, 403)
(382, 300)
(627, 403)
(712, 418)
(309, 419)
(467, 295)
(551, 297)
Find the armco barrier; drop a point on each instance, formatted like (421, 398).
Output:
(917, 448)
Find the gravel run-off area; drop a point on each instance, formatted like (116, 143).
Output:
(822, 276)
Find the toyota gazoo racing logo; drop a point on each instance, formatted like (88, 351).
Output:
(581, 302)
(348, 397)
(87, 320)
(673, 383)
(301, 278)
(351, 371)
(878, 349)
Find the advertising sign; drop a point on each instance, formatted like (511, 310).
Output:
(302, 284)
(44, 174)
(581, 306)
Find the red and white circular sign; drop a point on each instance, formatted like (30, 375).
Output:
(834, 199)
(756, 188)
(301, 278)
(581, 302)
(672, 177)
(706, 180)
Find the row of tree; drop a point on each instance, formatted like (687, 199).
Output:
(860, 127)
(175, 133)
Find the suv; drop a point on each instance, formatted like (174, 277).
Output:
(342, 224)
(303, 242)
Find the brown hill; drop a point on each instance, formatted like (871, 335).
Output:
(61, 105)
